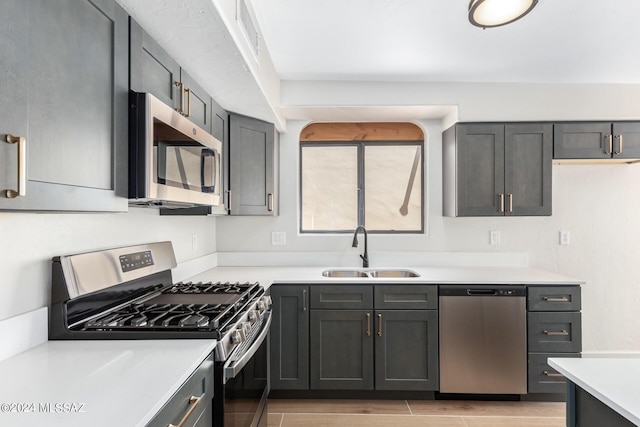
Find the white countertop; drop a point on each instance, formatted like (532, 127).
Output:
(102, 383)
(430, 275)
(614, 381)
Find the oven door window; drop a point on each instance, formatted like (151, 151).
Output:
(183, 162)
(245, 394)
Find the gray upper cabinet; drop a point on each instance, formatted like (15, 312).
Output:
(154, 71)
(596, 140)
(253, 170)
(63, 96)
(497, 169)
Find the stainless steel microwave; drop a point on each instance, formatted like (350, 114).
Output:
(172, 162)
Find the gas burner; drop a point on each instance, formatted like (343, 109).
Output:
(160, 316)
(209, 288)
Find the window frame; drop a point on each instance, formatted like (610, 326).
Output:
(361, 144)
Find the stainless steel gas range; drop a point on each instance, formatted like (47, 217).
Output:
(128, 293)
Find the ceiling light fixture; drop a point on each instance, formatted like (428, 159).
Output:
(494, 13)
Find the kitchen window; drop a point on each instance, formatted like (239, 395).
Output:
(367, 174)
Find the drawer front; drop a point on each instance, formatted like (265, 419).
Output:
(554, 332)
(553, 298)
(542, 377)
(341, 297)
(406, 297)
(199, 384)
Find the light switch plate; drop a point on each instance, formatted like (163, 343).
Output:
(565, 237)
(494, 237)
(278, 238)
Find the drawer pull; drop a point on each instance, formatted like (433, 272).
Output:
(551, 374)
(193, 404)
(304, 300)
(555, 299)
(556, 333)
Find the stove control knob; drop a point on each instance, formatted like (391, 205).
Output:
(253, 316)
(267, 300)
(237, 337)
(261, 306)
(246, 328)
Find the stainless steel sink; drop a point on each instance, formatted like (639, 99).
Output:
(344, 273)
(390, 273)
(393, 273)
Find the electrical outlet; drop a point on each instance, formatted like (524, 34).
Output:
(278, 238)
(194, 242)
(494, 237)
(565, 237)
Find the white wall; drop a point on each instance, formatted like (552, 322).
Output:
(30, 240)
(598, 204)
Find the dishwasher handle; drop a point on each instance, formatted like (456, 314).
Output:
(490, 290)
(473, 292)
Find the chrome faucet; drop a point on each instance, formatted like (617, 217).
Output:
(365, 256)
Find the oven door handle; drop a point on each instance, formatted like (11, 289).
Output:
(233, 367)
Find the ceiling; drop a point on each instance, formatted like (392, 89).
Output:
(560, 41)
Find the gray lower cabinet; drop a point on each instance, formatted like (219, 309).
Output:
(191, 405)
(361, 338)
(341, 350)
(405, 355)
(154, 71)
(596, 140)
(253, 166)
(497, 169)
(289, 336)
(63, 98)
(554, 329)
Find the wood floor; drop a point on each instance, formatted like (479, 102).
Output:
(410, 413)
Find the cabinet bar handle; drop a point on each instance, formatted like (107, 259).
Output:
(379, 325)
(368, 324)
(193, 403)
(556, 333)
(501, 209)
(270, 202)
(188, 92)
(510, 196)
(619, 151)
(304, 300)
(181, 108)
(555, 299)
(228, 200)
(610, 139)
(551, 374)
(22, 167)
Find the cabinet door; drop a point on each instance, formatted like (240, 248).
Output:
(406, 350)
(581, 140)
(528, 158)
(152, 69)
(480, 169)
(64, 89)
(341, 350)
(197, 102)
(626, 140)
(290, 337)
(253, 166)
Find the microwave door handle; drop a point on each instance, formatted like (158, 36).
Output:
(204, 156)
(233, 367)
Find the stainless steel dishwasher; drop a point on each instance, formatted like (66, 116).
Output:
(483, 339)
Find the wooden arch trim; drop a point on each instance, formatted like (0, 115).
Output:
(385, 131)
